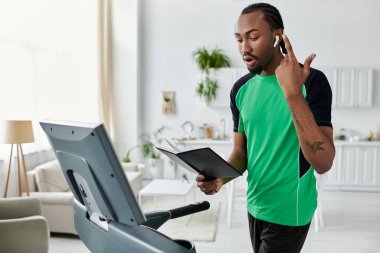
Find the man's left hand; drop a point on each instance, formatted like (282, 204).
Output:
(289, 73)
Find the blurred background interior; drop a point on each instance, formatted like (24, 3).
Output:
(134, 65)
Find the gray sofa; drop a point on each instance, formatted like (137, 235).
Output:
(47, 183)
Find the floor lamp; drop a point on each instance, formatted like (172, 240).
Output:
(16, 132)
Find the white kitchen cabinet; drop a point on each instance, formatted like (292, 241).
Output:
(356, 167)
(364, 80)
(332, 177)
(367, 159)
(351, 87)
(332, 76)
(349, 169)
(345, 88)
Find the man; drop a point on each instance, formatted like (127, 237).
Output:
(282, 132)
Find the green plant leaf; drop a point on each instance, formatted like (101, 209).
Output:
(202, 58)
(219, 59)
(126, 159)
(148, 141)
(207, 88)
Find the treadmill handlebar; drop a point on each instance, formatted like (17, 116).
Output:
(189, 209)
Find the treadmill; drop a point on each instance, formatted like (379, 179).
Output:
(107, 215)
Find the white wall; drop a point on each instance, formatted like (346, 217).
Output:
(341, 33)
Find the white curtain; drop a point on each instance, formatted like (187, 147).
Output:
(105, 64)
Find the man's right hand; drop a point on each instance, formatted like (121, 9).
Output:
(209, 187)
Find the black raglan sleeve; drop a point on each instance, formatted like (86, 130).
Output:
(319, 97)
(234, 109)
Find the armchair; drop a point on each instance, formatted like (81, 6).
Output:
(22, 227)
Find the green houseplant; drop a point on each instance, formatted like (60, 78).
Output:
(126, 161)
(207, 61)
(147, 143)
(127, 157)
(149, 140)
(206, 89)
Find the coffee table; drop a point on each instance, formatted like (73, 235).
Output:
(167, 187)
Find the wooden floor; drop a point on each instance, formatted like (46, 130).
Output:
(352, 225)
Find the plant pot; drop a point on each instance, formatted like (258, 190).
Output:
(156, 167)
(129, 166)
(212, 73)
(203, 102)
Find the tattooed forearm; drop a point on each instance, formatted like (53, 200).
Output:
(316, 146)
(299, 124)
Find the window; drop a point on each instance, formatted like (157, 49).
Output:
(49, 60)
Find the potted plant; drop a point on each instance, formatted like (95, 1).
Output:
(127, 157)
(127, 163)
(206, 89)
(208, 63)
(148, 141)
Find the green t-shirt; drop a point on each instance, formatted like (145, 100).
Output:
(281, 183)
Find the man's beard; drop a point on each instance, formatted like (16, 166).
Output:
(255, 71)
(259, 68)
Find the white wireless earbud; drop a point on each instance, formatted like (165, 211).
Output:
(276, 42)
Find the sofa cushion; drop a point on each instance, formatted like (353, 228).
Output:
(54, 198)
(50, 178)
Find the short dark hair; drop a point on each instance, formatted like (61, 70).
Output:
(271, 14)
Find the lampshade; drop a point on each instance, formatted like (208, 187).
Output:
(16, 131)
